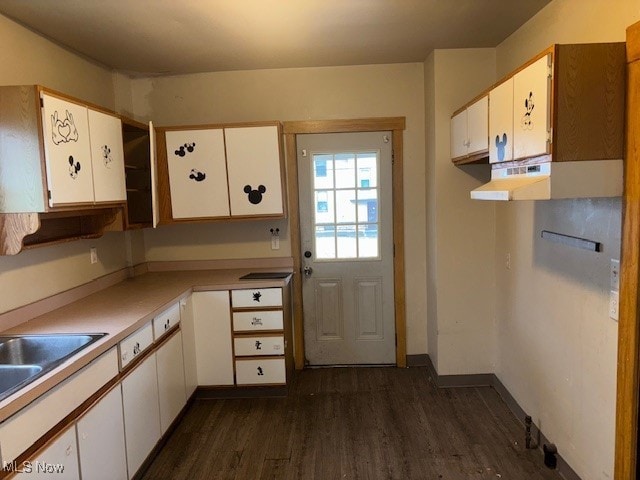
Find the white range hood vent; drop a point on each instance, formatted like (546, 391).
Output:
(551, 180)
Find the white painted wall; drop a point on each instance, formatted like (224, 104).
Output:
(556, 344)
(30, 59)
(461, 236)
(295, 94)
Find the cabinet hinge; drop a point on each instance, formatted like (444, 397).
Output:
(550, 135)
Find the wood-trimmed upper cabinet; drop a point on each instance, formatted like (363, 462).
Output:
(470, 132)
(56, 151)
(220, 172)
(566, 104)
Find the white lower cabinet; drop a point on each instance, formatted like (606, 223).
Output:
(101, 439)
(59, 460)
(188, 345)
(171, 387)
(212, 326)
(141, 412)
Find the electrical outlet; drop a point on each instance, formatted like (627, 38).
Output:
(615, 274)
(275, 238)
(613, 305)
(94, 255)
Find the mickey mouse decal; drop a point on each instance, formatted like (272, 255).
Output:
(186, 148)
(197, 175)
(501, 146)
(526, 122)
(74, 167)
(255, 196)
(106, 156)
(63, 131)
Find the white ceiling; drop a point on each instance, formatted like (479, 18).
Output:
(151, 37)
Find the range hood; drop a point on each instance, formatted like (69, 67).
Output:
(552, 180)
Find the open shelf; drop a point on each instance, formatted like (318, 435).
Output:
(137, 159)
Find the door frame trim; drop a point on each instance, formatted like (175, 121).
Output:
(394, 124)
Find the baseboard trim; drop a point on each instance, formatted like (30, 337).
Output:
(491, 380)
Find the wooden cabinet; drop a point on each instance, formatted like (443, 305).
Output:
(171, 384)
(61, 169)
(260, 338)
(254, 169)
(140, 174)
(141, 412)
(197, 173)
(220, 172)
(469, 132)
(213, 344)
(58, 460)
(101, 439)
(566, 104)
(188, 345)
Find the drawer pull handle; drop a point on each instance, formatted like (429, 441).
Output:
(260, 372)
(256, 321)
(136, 348)
(258, 345)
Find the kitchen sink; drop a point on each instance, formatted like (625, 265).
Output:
(24, 358)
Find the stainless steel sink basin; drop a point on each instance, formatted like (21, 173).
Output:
(24, 358)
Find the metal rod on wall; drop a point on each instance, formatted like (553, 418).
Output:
(577, 242)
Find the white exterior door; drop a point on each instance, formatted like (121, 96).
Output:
(197, 173)
(501, 122)
(347, 248)
(107, 157)
(253, 163)
(531, 109)
(67, 151)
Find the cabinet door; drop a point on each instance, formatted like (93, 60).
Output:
(197, 173)
(101, 439)
(253, 163)
(188, 345)
(212, 327)
(501, 122)
(67, 151)
(459, 137)
(478, 126)
(141, 413)
(58, 460)
(107, 157)
(170, 380)
(531, 109)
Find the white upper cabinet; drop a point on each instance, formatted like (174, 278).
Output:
(469, 130)
(67, 151)
(531, 109)
(197, 173)
(83, 154)
(501, 122)
(253, 164)
(107, 157)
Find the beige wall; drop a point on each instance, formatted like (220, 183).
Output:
(556, 344)
(30, 59)
(461, 235)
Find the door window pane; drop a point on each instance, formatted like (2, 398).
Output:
(346, 205)
(347, 245)
(325, 242)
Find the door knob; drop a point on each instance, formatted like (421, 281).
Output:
(307, 271)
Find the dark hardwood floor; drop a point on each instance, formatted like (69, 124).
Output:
(352, 423)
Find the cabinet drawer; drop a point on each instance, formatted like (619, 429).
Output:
(135, 344)
(255, 372)
(256, 297)
(167, 319)
(250, 346)
(257, 321)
